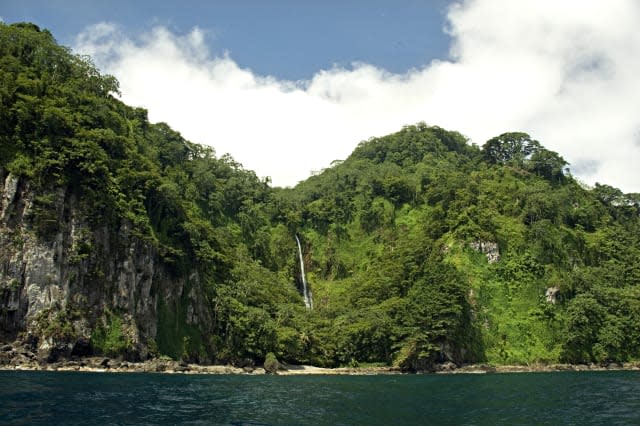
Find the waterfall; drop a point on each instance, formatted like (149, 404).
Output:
(306, 293)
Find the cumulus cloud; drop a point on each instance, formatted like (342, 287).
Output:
(565, 72)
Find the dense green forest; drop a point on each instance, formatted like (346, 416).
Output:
(419, 248)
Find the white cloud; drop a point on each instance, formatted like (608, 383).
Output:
(565, 72)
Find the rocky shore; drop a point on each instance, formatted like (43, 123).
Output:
(22, 358)
(539, 368)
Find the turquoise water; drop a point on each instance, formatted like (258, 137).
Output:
(605, 398)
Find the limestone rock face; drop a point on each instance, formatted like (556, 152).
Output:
(551, 294)
(55, 289)
(488, 248)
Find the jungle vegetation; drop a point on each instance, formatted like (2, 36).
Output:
(393, 236)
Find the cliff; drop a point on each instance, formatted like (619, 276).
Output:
(57, 289)
(119, 237)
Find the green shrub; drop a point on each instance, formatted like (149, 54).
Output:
(110, 339)
(271, 364)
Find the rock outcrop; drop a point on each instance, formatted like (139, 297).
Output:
(551, 294)
(488, 248)
(62, 277)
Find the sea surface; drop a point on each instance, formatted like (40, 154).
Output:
(566, 398)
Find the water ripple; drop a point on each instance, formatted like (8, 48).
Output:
(146, 399)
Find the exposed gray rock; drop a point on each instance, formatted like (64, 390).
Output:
(552, 294)
(9, 191)
(447, 366)
(488, 248)
(181, 369)
(55, 289)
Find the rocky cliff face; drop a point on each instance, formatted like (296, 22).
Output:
(62, 278)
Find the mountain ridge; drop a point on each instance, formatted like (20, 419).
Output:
(121, 238)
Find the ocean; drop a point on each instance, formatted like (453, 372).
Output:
(560, 398)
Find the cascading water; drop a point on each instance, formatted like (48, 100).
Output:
(306, 293)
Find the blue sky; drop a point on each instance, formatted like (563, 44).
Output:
(286, 38)
(286, 87)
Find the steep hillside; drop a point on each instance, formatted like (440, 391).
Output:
(424, 248)
(119, 237)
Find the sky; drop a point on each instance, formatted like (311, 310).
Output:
(286, 87)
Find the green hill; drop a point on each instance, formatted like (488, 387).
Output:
(119, 237)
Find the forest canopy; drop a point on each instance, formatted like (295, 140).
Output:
(420, 247)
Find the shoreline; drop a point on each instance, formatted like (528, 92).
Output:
(107, 365)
